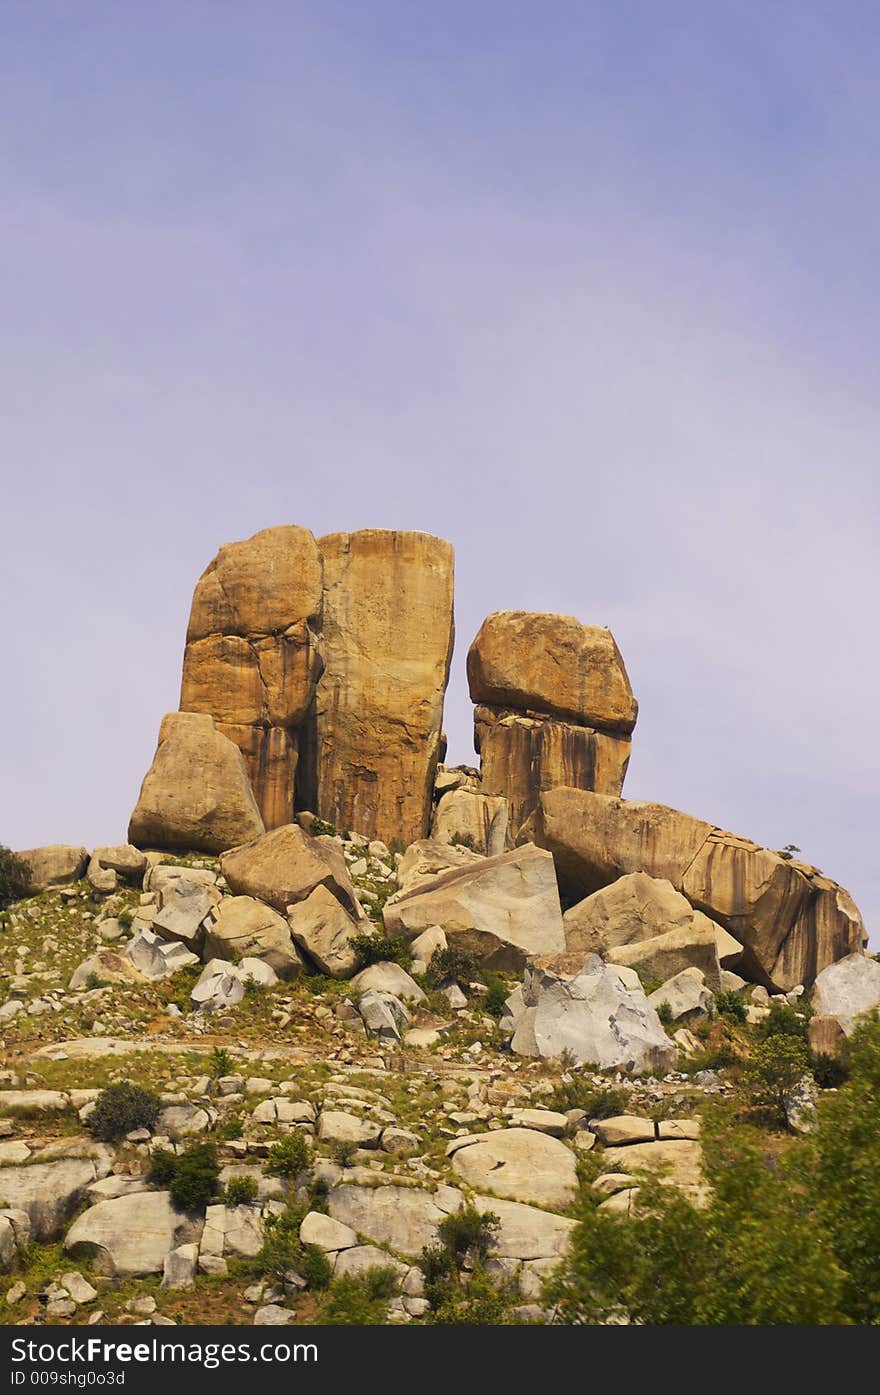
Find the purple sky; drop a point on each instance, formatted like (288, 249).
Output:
(589, 289)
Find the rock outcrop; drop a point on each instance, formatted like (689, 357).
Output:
(285, 866)
(500, 909)
(554, 707)
(58, 864)
(471, 819)
(375, 734)
(196, 794)
(253, 654)
(847, 989)
(790, 920)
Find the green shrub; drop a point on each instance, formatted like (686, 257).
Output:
(451, 963)
(468, 1232)
(315, 1267)
(321, 828)
(15, 876)
(776, 1065)
(728, 1003)
(381, 949)
(477, 1301)
(126, 918)
(163, 1165)
(121, 1108)
(785, 1021)
(289, 1156)
(495, 1001)
(195, 1177)
(281, 1250)
(464, 1235)
(241, 1191)
(230, 1129)
(464, 840)
(221, 1062)
(360, 1301)
(829, 1072)
(580, 1093)
(665, 1013)
(342, 1151)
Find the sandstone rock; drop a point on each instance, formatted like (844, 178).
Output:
(244, 926)
(551, 664)
(80, 1290)
(360, 1259)
(667, 955)
(389, 978)
(790, 920)
(324, 929)
(376, 734)
(676, 1161)
(404, 1218)
(48, 1192)
(800, 1106)
(427, 859)
(520, 1164)
(847, 989)
(686, 996)
(502, 910)
(254, 655)
(286, 866)
(521, 755)
(220, 986)
(633, 908)
(179, 1270)
(125, 860)
(623, 1129)
(196, 794)
(157, 958)
(184, 907)
(593, 1017)
(57, 864)
(826, 1035)
(478, 821)
(274, 1315)
(234, 1230)
(131, 1235)
(543, 1120)
(183, 1120)
(383, 1015)
(107, 966)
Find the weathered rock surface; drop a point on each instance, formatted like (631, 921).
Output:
(105, 966)
(676, 1161)
(388, 630)
(57, 864)
(686, 996)
(521, 1164)
(131, 1235)
(49, 1192)
(323, 928)
(254, 654)
(847, 989)
(389, 978)
(635, 907)
(404, 1218)
(196, 794)
(245, 926)
(790, 920)
(501, 909)
(157, 958)
(664, 956)
(426, 859)
(591, 1015)
(526, 1232)
(478, 821)
(551, 664)
(284, 867)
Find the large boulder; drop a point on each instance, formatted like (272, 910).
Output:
(323, 928)
(385, 977)
(105, 966)
(847, 989)
(551, 664)
(472, 819)
(403, 1218)
(501, 909)
(129, 1236)
(663, 956)
(254, 654)
(244, 926)
(426, 859)
(635, 907)
(589, 1015)
(685, 996)
(57, 864)
(376, 736)
(196, 794)
(185, 904)
(790, 920)
(286, 866)
(520, 1164)
(49, 1192)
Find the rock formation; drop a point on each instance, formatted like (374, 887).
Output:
(790, 920)
(554, 707)
(376, 727)
(196, 793)
(253, 654)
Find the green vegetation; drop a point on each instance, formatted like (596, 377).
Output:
(121, 1108)
(728, 1003)
(283, 1252)
(777, 1064)
(579, 1093)
(451, 963)
(381, 949)
(361, 1301)
(191, 1176)
(15, 876)
(221, 1062)
(464, 1238)
(289, 1156)
(240, 1191)
(790, 1240)
(495, 1000)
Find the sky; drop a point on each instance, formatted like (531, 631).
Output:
(588, 288)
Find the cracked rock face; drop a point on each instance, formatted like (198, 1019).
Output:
(254, 654)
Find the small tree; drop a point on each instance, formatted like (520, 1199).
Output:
(777, 1065)
(121, 1108)
(15, 876)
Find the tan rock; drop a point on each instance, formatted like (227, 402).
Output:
(196, 794)
(676, 1161)
(285, 866)
(664, 956)
(790, 919)
(388, 632)
(521, 755)
(521, 1164)
(475, 820)
(554, 665)
(827, 1035)
(57, 864)
(502, 909)
(426, 859)
(247, 927)
(254, 654)
(635, 907)
(324, 929)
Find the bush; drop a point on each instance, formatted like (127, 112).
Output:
(665, 1014)
(462, 1235)
(163, 1165)
(360, 1301)
(221, 1062)
(381, 949)
(728, 1003)
(121, 1108)
(195, 1177)
(477, 1301)
(283, 1252)
(289, 1156)
(468, 1233)
(785, 1021)
(464, 840)
(775, 1067)
(829, 1072)
(315, 1267)
(241, 1191)
(495, 1000)
(15, 876)
(451, 963)
(579, 1093)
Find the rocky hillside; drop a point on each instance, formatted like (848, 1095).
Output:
(344, 1034)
